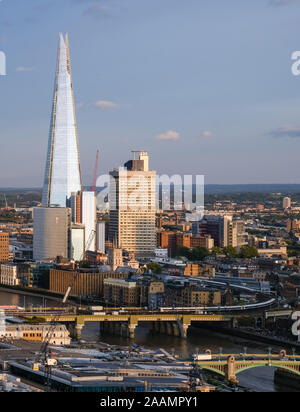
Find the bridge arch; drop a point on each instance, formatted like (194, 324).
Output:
(287, 367)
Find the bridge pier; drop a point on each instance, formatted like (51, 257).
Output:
(75, 330)
(183, 329)
(231, 371)
(176, 330)
(234, 323)
(131, 330)
(169, 328)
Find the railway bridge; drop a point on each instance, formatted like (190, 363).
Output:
(125, 324)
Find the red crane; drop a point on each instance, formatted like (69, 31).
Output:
(93, 189)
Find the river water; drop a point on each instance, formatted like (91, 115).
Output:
(259, 379)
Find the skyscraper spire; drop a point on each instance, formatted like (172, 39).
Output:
(62, 174)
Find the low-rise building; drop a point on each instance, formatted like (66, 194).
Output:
(120, 292)
(192, 296)
(38, 333)
(9, 274)
(88, 283)
(195, 270)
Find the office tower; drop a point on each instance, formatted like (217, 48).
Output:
(101, 236)
(133, 207)
(287, 203)
(62, 174)
(77, 242)
(4, 246)
(51, 231)
(89, 218)
(83, 206)
(75, 204)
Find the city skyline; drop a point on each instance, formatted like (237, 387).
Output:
(229, 101)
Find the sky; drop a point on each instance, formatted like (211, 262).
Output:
(204, 85)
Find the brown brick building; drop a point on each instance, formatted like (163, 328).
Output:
(121, 292)
(173, 241)
(190, 296)
(85, 284)
(4, 247)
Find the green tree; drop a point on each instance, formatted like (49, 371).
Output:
(154, 267)
(199, 253)
(216, 251)
(231, 251)
(185, 252)
(248, 252)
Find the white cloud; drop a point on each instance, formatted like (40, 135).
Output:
(106, 104)
(170, 135)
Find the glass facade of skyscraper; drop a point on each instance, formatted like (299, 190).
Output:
(62, 174)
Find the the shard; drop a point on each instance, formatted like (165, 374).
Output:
(62, 174)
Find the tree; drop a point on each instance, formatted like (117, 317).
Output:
(248, 252)
(231, 251)
(216, 251)
(154, 267)
(185, 252)
(199, 253)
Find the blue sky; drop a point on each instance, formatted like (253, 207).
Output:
(204, 85)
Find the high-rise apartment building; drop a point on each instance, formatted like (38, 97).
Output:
(218, 227)
(287, 203)
(223, 229)
(133, 206)
(4, 246)
(76, 242)
(51, 232)
(101, 237)
(89, 218)
(62, 174)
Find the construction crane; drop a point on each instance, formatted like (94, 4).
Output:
(93, 188)
(45, 355)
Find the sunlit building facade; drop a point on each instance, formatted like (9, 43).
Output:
(62, 174)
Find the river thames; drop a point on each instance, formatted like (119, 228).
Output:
(259, 379)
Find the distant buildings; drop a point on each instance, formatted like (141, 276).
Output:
(172, 241)
(195, 270)
(192, 296)
(223, 229)
(287, 203)
(133, 207)
(4, 247)
(293, 225)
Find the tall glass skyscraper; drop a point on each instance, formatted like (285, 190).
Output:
(62, 175)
